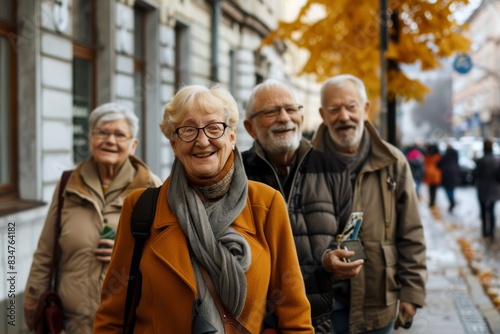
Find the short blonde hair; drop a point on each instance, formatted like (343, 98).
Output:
(212, 98)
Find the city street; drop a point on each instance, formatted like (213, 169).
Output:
(456, 296)
(466, 219)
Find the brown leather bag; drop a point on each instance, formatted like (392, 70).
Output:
(49, 312)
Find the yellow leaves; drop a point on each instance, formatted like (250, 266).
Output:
(454, 43)
(342, 36)
(398, 84)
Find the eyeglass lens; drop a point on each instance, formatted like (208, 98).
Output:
(212, 131)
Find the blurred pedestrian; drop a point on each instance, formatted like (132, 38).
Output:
(210, 221)
(450, 174)
(392, 279)
(317, 189)
(488, 187)
(93, 198)
(415, 156)
(432, 174)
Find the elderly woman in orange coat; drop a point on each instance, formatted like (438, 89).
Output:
(208, 216)
(432, 176)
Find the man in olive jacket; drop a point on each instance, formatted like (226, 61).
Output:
(393, 276)
(317, 191)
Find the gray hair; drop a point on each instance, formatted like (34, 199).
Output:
(269, 83)
(338, 80)
(113, 111)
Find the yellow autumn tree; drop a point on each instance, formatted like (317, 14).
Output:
(343, 36)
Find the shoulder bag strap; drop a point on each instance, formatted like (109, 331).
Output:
(141, 221)
(226, 316)
(55, 254)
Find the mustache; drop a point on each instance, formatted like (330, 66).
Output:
(283, 127)
(345, 124)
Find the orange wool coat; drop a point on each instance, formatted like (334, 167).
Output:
(168, 280)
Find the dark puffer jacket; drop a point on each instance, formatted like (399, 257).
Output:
(319, 198)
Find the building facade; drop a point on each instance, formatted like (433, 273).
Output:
(61, 59)
(476, 94)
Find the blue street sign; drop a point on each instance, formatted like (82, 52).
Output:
(462, 63)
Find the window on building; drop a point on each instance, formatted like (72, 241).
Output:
(139, 73)
(182, 54)
(83, 75)
(8, 110)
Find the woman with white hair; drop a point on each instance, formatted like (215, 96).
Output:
(93, 199)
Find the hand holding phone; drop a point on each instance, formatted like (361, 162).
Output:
(353, 246)
(348, 240)
(400, 322)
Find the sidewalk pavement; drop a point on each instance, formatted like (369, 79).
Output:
(456, 301)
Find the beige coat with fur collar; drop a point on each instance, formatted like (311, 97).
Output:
(85, 212)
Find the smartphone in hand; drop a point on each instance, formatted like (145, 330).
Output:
(353, 226)
(348, 240)
(400, 322)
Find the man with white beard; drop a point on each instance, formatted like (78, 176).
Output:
(317, 190)
(391, 285)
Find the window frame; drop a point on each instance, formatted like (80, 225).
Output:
(10, 190)
(182, 74)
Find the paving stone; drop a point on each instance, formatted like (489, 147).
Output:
(456, 301)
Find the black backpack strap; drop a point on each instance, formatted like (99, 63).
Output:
(142, 219)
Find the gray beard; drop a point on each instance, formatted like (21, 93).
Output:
(279, 147)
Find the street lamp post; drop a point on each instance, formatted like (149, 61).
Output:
(384, 40)
(392, 65)
(387, 106)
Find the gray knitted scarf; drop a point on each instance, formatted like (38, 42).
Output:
(222, 251)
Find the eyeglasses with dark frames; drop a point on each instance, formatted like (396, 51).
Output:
(120, 137)
(189, 133)
(274, 111)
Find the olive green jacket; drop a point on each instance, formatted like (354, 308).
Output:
(392, 234)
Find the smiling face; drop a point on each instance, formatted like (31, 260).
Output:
(344, 112)
(107, 150)
(204, 157)
(280, 134)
